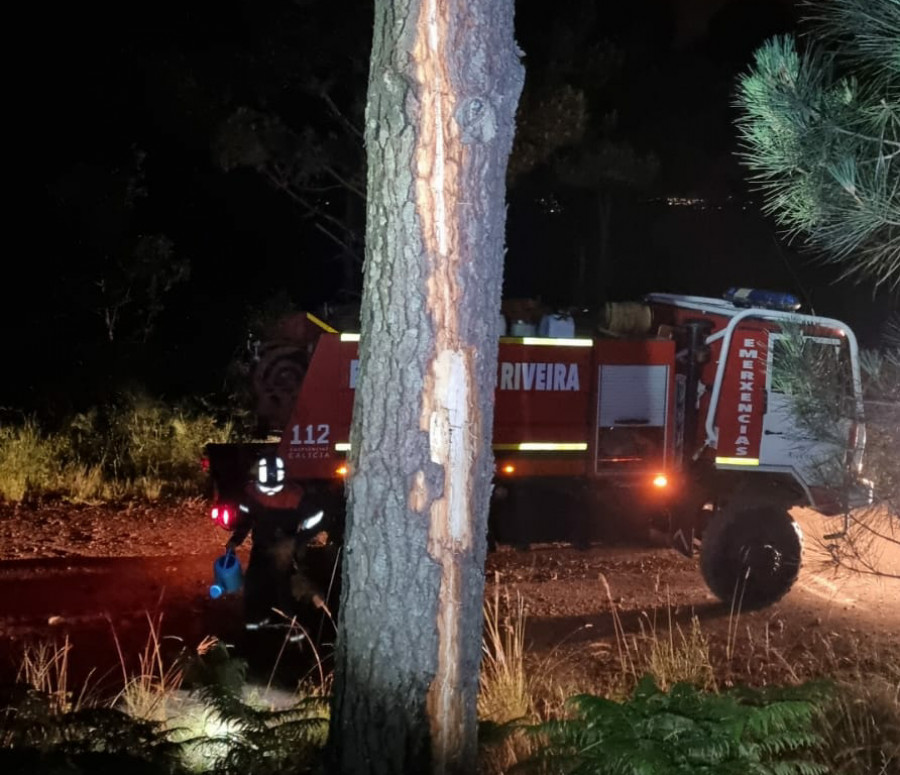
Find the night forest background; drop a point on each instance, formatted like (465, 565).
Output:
(193, 167)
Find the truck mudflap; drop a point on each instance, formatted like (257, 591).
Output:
(859, 494)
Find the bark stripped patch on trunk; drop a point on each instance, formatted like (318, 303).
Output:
(448, 410)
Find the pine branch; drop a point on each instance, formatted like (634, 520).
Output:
(821, 145)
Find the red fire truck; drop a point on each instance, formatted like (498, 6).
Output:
(672, 411)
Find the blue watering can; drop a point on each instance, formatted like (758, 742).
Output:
(227, 574)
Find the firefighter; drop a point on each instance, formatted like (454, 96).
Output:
(282, 519)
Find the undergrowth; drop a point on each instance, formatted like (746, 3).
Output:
(685, 731)
(36, 738)
(135, 447)
(191, 711)
(861, 722)
(857, 720)
(187, 713)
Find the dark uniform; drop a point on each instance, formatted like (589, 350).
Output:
(281, 522)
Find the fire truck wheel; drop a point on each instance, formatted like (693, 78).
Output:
(751, 556)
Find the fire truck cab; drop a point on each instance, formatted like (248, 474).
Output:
(673, 411)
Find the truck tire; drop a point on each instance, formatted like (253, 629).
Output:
(751, 556)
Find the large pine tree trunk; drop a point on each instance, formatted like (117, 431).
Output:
(443, 87)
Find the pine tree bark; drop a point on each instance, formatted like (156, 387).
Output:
(444, 83)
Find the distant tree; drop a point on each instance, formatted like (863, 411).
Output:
(126, 272)
(569, 149)
(322, 173)
(444, 81)
(296, 119)
(820, 125)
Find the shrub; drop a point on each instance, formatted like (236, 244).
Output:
(153, 447)
(133, 447)
(31, 462)
(189, 714)
(263, 741)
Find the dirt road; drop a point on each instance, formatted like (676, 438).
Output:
(103, 600)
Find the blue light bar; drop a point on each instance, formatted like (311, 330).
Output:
(754, 297)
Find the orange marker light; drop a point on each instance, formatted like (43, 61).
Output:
(660, 481)
(342, 471)
(509, 469)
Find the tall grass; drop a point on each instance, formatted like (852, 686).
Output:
(31, 461)
(506, 691)
(862, 728)
(850, 727)
(135, 447)
(44, 667)
(861, 725)
(669, 653)
(146, 695)
(674, 656)
(191, 712)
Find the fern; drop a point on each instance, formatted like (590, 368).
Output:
(89, 740)
(686, 732)
(265, 741)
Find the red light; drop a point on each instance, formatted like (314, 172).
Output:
(660, 481)
(221, 515)
(509, 468)
(342, 470)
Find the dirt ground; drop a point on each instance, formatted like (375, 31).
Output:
(594, 612)
(95, 574)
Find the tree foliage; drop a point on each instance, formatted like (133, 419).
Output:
(311, 167)
(820, 126)
(570, 153)
(822, 405)
(130, 272)
(297, 121)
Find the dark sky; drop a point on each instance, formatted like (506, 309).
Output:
(103, 82)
